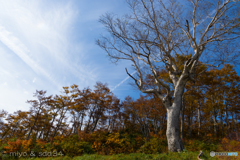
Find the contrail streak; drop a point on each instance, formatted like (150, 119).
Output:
(14, 44)
(124, 80)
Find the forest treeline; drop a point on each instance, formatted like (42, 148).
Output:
(87, 121)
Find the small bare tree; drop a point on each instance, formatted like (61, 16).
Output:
(156, 31)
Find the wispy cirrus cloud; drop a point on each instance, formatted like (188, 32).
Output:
(14, 44)
(50, 44)
(36, 49)
(42, 32)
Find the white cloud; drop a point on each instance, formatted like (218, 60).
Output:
(37, 33)
(41, 42)
(25, 92)
(14, 44)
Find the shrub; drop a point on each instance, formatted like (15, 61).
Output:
(72, 146)
(155, 145)
(116, 143)
(77, 149)
(19, 146)
(196, 145)
(228, 145)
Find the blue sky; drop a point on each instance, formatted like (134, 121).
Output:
(45, 45)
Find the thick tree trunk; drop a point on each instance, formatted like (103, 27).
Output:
(173, 132)
(173, 112)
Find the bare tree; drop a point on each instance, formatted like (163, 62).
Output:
(156, 31)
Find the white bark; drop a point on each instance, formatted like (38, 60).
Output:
(173, 112)
(173, 133)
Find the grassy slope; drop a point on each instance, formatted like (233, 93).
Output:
(139, 156)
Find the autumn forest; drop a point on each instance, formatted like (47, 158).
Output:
(185, 55)
(96, 121)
